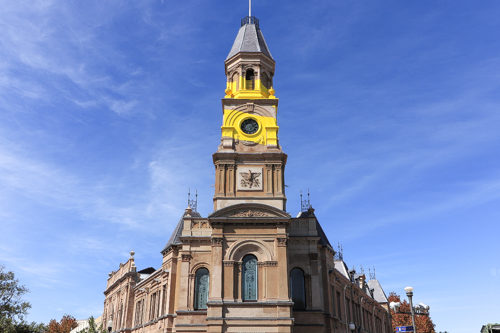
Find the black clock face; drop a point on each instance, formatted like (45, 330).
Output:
(249, 126)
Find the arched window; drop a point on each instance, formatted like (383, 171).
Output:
(298, 289)
(249, 278)
(201, 289)
(250, 79)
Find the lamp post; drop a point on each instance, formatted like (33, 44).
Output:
(110, 325)
(409, 293)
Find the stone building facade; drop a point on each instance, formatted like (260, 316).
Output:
(249, 266)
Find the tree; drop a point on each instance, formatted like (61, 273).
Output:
(66, 324)
(24, 327)
(423, 323)
(11, 305)
(13, 308)
(93, 327)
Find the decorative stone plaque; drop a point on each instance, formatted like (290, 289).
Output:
(249, 178)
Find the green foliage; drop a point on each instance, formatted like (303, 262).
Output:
(93, 328)
(12, 307)
(7, 326)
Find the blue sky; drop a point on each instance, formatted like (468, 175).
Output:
(389, 112)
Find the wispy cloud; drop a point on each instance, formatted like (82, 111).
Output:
(54, 186)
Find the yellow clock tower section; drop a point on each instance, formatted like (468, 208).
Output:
(249, 162)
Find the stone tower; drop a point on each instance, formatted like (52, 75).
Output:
(249, 162)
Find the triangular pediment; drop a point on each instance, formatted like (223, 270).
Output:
(250, 210)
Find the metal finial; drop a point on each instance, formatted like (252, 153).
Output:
(372, 273)
(193, 204)
(340, 252)
(305, 205)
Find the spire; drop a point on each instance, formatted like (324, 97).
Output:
(249, 39)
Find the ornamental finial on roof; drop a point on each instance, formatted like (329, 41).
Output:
(193, 203)
(305, 204)
(372, 273)
(340, 252)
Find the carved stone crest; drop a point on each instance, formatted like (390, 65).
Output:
(249, 178)
(250, 213)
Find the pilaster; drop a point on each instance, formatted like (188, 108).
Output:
(182, 299)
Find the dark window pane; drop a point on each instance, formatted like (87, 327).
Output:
(201, 289)
(249, 278)
(298, 289)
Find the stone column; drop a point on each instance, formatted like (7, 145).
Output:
(317, 295)
(229, 292)
(279, 179)
(214, 305)
(220, 170)
(182, 299)
(268, 186)
(190, 302)
(230, 177)
(282, 268)
(216, 280)
(261, 281)
(238, 291)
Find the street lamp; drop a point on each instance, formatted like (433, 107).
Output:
(110, 325)
(352, 327)
(409, 293)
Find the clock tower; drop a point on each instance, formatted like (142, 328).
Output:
(249, 162)
(248, 266)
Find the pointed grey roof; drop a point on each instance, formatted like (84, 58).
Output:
(249, 39)
(378, 292)
(310, 213)
(341, 266)
(175, 238)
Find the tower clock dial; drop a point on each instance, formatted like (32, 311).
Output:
(249, 126)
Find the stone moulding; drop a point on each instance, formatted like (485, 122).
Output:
(239, 249)
(251, 213)
(249, 210)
